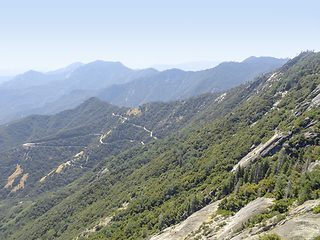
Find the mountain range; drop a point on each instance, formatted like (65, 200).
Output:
(238, 164)
(189, 66)
(49, 93)
(5, 78)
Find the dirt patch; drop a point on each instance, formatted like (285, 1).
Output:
(179, 118)
(13, 176)
(79, 154)
(21, 184)
(59, 169)
(42, 179)
(134, 111)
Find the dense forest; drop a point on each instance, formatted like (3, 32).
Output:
(104, 172)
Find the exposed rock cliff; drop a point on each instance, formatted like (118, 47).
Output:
(300, 223)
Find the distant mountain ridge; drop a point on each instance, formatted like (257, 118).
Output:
(34, 78)
(67, 69)
(248, 157)
(32, 98)
(188, 66)
(52, 92)
(175, 84)
(5, 78)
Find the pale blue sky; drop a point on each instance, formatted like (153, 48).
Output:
(46, 35)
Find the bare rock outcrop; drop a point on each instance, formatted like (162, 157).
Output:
(263, 149)
(300, 223)
(316, 100)
(192, 223)
(221, 227)
(234, 222)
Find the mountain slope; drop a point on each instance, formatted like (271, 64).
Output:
(236, 74)
(115, 83)
(100, 74)
(33, 78)
(5, 78)
(176, 84)
(33, 95)
(300, 223)
(142, 190)
(189, 66)
(92, 128)
(68, 69)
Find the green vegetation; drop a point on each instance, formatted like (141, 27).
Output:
(38, 93)
(272, 236)
(146, 188)
(316, 210)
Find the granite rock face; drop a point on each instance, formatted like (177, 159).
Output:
(300, 223)
(192, 223)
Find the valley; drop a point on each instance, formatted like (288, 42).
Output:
(239, 163)
(52, 92)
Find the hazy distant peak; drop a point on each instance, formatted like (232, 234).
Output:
(147, 69)
(92, 100)
(249, 59)
(5, 78)
(253, 59)
(106, 63)
(189, 66)
(27, 79)
(173, 70)
(67, 69)
(31, 72)
(75, 64)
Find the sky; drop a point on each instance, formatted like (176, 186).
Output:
(47, 35)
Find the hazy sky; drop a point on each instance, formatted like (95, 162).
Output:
(46, 35)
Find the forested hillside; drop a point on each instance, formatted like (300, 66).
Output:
(75, 140)
(49, 93)
(142, 170)
(175, 84)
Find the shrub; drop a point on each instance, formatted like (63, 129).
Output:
(316, 209)
(280, 206)
(272, 236)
